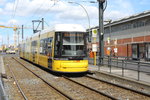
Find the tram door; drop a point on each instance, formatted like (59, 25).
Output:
(135, 52)
(34, 50)
(49, 51)
(147, 53)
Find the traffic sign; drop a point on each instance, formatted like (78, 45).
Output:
(94, 47)
(94, 32)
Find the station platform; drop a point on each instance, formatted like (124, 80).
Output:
(131, 74)
(3, 95)
(2, 69)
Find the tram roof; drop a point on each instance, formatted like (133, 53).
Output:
(69, 28)
(63, 28)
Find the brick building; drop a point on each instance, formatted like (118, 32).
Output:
(128, 37)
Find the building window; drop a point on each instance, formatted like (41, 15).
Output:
(147, 22)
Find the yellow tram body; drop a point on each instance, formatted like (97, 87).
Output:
(61, 49)
(70, 66)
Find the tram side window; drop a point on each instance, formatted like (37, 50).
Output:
(43, 46)
(46, 46)
(34, 47)
(23, 47)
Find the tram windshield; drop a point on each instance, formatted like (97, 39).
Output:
(71, 44)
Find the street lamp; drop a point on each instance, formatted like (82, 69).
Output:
(86, 14)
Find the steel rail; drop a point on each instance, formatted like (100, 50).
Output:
(130, 89)
(54, 87)
(101, 93)
(22, 93)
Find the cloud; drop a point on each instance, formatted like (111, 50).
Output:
(78, 12)
(119, 9)
(0, 38)
(12, 22)
(2, 2)
(1, 11)
(27, 7)
(63, 12)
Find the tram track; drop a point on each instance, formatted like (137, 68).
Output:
(109, 96)
(121, 86)
(17, 84)
(93, 88)
(110, 89)
(78, 92)
(44, 91)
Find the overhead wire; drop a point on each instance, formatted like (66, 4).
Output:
(46, 10)
(35, 11)
(49, 9)
(17, 1)
(38, 9)
(13, 10)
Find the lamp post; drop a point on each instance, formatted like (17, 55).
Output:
(85, 12)
(101, 31)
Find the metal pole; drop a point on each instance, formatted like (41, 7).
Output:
(33, 27)
(42, 23)
(110, 63)
(22, 33)
(101, 31)
(122, 67)
(8, 39)
(15, 41)
(110, 37)
(18, 37)
(138, 71)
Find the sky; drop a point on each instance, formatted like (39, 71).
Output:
(22, 12)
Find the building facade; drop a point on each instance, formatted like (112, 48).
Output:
(128, 37)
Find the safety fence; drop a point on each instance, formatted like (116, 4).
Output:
(123, 64)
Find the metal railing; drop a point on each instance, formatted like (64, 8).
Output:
(125, 63)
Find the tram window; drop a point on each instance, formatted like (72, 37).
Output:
(34, 47)
(70, 44)
(43, 46)
(46, 46)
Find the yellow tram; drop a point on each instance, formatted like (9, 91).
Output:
(62, 48)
